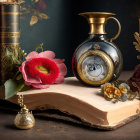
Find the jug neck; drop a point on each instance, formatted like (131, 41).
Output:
(97, 21)
(97, 25)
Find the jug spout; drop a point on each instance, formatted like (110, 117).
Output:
(97, 21)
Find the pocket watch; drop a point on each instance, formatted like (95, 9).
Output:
(95, 67)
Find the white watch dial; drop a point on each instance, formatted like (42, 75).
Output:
(94, 68)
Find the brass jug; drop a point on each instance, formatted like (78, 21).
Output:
(97, 60)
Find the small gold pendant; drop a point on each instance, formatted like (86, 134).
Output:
(24, 119)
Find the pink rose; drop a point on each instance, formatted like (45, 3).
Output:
(40, 70)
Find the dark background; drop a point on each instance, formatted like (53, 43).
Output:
(65, 30)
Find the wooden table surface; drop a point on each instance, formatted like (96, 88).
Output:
(52, 129)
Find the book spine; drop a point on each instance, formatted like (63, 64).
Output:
(9, 39)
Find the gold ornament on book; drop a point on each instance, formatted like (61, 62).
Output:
(137, 44)
(24, 119)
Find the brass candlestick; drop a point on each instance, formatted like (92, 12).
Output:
(24, 119)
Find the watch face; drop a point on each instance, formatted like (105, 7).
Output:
(95, 67)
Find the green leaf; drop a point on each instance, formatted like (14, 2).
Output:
(12, 87)
(39, 47)
(22, 55)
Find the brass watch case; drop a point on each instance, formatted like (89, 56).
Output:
(107, 60)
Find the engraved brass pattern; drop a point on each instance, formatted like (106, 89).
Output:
(96, 47)
(108, 62)
(6, 70)
(10, 3)
(12, 45)
(24, 119)
(9, 44)
(12, 50)
(9, 13)
(10, 34)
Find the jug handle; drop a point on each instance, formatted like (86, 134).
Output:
(119, 28)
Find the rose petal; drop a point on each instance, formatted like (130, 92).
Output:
(23, 70)
(33, 80)
(27, 83)
(62, 69)
(40, 86)
(26, 77)
(59, 61)
(32, 55)
(59, 80)
(47, 54)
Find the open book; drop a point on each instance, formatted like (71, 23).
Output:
(84, 102)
